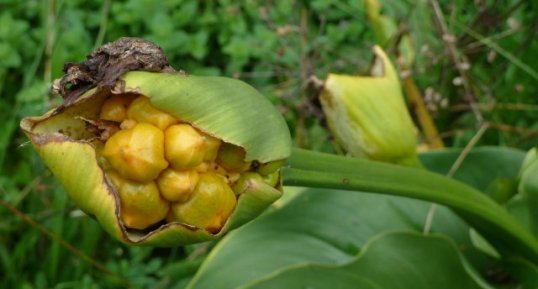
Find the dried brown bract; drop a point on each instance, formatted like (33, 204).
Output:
(105, 65)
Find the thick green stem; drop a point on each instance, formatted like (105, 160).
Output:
(313, 169)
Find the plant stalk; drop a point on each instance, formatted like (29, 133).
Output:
(314, 169)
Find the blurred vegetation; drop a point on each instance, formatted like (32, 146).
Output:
(277, 46)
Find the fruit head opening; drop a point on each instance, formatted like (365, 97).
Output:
(166, 170)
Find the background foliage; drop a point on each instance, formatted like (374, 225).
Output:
(277, 46)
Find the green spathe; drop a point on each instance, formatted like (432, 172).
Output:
(224, 108)
(368, 115)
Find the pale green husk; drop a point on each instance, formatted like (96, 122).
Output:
(368, 115)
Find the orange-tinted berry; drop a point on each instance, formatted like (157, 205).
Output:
(141, 110)
(246, 180)
(137, 153)
(115, 107)
(211, 147)
(141, 203)
(177, 186)
(183, 146)
(209, 206)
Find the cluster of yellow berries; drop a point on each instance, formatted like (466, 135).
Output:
(166, 170)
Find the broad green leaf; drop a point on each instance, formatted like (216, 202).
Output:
(393, 260)
(490, 167)
(482, 244)
(520, 207)
(528, 189)
(524, 271)
(480, 168)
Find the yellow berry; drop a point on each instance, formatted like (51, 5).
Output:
(203, 167)
(232, 157)
(183, 146)
(245, 181)
(141, 110)
(211, 147)
(127, 124)
(216, 168)
(230, 176)
(115, 178)
(115, 107)
(210, 205)
(141, 203)
(177, 186)
(137, 153)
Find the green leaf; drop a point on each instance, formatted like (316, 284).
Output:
(528, 189)
(393, 260)
(35, 92)
(10, 57)
(524, 271)
(482, 244)
(481, 168)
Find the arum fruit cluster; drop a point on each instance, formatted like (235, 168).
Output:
(157, 156)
